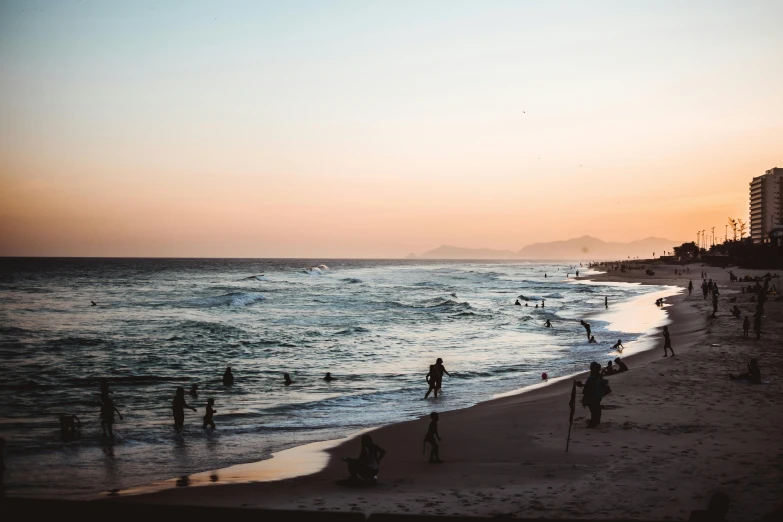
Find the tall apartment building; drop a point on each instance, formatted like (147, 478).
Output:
(765, 208)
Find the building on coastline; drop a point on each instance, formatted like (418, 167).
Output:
(765, 208)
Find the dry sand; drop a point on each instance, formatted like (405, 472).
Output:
(674, 431)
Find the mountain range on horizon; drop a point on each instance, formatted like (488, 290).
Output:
(576, 249)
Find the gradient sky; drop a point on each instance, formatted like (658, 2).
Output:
(375, 129)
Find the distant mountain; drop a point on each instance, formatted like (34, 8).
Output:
(581, 248)
(588, 247)
(452, 252)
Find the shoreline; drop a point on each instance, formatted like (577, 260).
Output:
(673, 432)
(315, 457)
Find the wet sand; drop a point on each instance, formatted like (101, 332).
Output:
(673, 431)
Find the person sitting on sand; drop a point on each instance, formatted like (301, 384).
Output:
(746, 327)
(753, 374)
(365, 468)
(328, 377)
(587, 327)
(178, 408)
(592, 340)
(667, 342)
(618, 346)
(210, 412)
(547, 324)
(609, 370)
(431, 436)
(287, 379)
(228, 377)
(193, 390)
(621, 365)
(736, 312)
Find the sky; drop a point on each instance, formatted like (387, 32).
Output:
(377, 129)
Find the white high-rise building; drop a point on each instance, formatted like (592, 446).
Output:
(765, 208)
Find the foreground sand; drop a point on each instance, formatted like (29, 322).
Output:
(674, 431)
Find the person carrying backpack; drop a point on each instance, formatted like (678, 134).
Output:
(595, 388)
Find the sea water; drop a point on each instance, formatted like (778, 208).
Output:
(163, 323)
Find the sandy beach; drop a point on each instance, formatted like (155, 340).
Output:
(674, 431)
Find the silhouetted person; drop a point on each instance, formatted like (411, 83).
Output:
(577, 273)
(704, 288)
(757, 325)
(608, 370)
(594, 390)
(746, 327)
(193, 390)
(440, 371)
(753, 374)
(107, 414)
(592, 340)
(328, 377)
(432, 437)
(736, 312)
(365, 468)
(287, 379)
(667, 342)
(93, 303)
(621, 365)
(618, 346)
(542, 303)
(228, 377)
(517, 303)
(587, 327)
(178, 407)
(716, 511)
(210, 412)
(432, 381)
(606, 302)
(690, 288)
(714, 303)
(69, 425)
(548, 324)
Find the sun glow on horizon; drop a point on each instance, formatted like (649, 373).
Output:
(247, 129)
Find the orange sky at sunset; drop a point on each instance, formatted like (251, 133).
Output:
(355, 130)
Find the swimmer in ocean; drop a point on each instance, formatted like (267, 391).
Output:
(287, 379)
(328, 377)
(548, 324)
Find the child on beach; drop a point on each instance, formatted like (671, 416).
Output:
(432, 437)
(667, 342)
(618, 346)
(210, 412)
(178, 406)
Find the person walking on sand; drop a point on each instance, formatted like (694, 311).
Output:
(432, 437)
(587, 327)
(667, 342)
(178, 407)
(690, 288)
(746, 327)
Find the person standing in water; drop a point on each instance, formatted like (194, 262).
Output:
(178, 407)
(431, 381)
(287, 379)
(606, 302)
(667, 342)
(548, 324)
(746, 327)
(587, 327)
(228, 377)
(432, 437)
(440, 371)
(209, 413)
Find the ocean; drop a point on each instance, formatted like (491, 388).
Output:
(376, 325)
